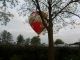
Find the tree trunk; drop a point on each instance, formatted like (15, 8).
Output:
(51, 43)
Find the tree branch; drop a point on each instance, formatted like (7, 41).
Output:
(44, 4)
(40, 13)
(50, 10)
(63, 19)
(75, 0)
(34, 2)
(62, 9)
(56, 3)
(72, 13)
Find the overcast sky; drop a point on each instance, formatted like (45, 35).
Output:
(18, 25)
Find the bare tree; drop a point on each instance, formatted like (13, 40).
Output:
(57, 11)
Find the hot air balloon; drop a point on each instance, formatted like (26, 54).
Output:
(36, 22)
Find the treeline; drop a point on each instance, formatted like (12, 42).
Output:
(6, 38)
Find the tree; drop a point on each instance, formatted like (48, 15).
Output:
(59, 41)
(44, 45)
(35, 41)
(20, 40)
(27, 41)
(6, 37)
(5, 14)
(57, 10)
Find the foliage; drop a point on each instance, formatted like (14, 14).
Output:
(27, 41)
(20, 40)
(6, 37)
(15, 57)
(5, 14)
(35, 41)
(14, 52)
(59, 41)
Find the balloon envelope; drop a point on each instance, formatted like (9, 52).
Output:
(37, 26)
(36, 22)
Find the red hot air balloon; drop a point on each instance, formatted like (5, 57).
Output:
(37, 26)
(36, 22)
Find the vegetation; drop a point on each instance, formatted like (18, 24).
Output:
(57, 11)
(59, 41)
(35, 41)
(32, 49)
(5, 14)
(20, 40)
(27, 41)
(14, 52)
(6, 37)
